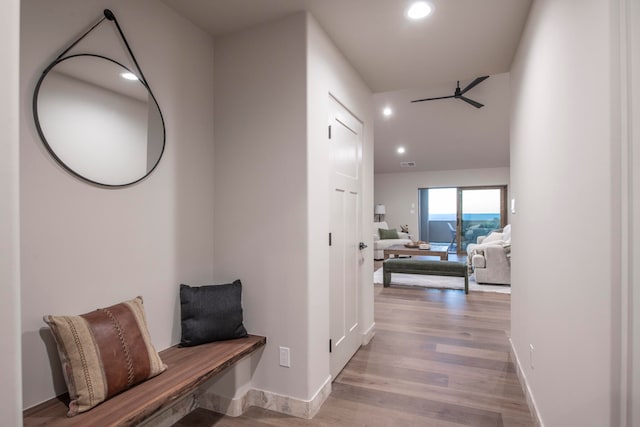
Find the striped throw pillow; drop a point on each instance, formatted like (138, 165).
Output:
(104, 352)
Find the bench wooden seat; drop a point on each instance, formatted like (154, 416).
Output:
(187, 369)
(426, 267)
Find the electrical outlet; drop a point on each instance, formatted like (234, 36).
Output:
(285, 359)
(531, 355)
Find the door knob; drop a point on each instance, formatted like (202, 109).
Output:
(363, 246)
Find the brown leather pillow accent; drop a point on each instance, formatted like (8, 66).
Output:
(104, 352)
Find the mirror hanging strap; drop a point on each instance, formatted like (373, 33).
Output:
(108, 14)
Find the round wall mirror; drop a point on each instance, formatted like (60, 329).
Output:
(99, 120)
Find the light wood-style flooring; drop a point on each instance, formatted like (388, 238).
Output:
(439, 358)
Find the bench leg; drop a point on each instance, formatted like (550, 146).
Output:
(466, 282)
(386, 279)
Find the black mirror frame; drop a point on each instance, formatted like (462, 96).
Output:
(111, 17)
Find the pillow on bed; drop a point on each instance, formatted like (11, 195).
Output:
(104, 352)
(211, 313)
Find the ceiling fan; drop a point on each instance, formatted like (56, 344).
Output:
(458, 94)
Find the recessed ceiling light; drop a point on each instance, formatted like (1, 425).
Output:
(419, 10)
(129, 76)
(387, 111)
(400, 150)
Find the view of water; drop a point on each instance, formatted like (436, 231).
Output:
(480, 216)
(465, 217)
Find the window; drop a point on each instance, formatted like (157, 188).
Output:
(457, 216)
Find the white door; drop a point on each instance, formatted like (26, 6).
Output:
(345, 137)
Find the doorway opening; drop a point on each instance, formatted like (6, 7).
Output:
(457, 216)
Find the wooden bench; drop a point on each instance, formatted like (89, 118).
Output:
(426, 267)
(187, 369)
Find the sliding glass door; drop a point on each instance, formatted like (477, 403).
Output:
(457, 216)
(480, 211)
(438, 212)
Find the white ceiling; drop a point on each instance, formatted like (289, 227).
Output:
(444, 134)
(462, 39)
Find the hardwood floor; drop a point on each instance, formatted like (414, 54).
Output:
(439, 358)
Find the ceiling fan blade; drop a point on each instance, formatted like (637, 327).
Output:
(432, 99)
(473, 84)
(471, 101)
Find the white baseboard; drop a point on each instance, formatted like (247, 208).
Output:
(531, 402)
(267, 400)
(223, 405)
(290, 405)
(368, 334)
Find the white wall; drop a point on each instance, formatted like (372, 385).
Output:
(399, 191)
(565, 235)
(633, 76)
(85, 247)
(272, 85)
(260, 190)
(11, 391)
(330, 73)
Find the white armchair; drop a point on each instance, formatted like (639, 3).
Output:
(379, 245)
(490, 258)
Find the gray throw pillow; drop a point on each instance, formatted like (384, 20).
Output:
(388, 234)
(211, 313)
